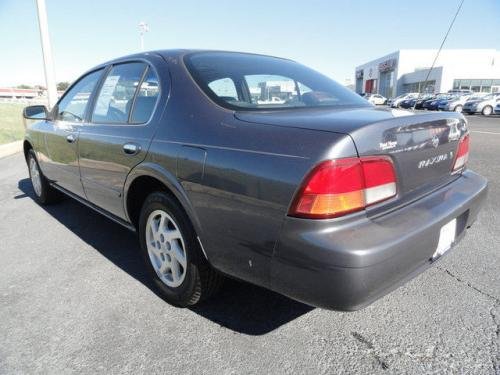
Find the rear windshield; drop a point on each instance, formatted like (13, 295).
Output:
(254, 82)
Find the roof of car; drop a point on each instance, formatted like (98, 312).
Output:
(179, 52)
(169, 53)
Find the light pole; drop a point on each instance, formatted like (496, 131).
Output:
(143, 28)
(48, 65)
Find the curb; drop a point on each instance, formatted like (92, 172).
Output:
(10, 148)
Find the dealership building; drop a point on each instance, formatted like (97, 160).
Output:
(405, 71)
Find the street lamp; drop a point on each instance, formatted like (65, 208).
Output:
(143, 28)
(48, 65)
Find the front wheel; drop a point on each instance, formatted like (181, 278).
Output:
(488, 110)
(44, 193)
(172, 253)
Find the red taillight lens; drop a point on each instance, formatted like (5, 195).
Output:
(337, 187)
(462, 154)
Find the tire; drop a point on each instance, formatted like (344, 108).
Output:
(172, 253)
(44, 193)
(458, 108)
(488, 110)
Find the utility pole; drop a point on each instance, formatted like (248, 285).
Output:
(48, 64)
(143, 28)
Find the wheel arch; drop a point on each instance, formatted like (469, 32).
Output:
(27, 146)
(146, 178)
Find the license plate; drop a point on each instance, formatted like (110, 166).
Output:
(446, 238)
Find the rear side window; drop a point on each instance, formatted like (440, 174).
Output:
(116, 96)
(255, 82)
(73, 105)
(224, 88)
(145, 101)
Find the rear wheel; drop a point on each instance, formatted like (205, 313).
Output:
(488, 110)
(458, 108)
(44, 193)
(172, 253)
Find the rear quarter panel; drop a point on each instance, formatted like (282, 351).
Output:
(239, 177)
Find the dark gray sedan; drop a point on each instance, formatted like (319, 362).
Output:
(258, 168)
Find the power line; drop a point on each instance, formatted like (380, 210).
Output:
(439, 50)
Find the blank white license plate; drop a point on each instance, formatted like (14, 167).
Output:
(446, 238)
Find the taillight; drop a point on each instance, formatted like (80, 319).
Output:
(337, 187)
(462, 154)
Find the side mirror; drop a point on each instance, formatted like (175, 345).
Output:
(35, 112)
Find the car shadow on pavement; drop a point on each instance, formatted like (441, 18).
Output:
(239, 306)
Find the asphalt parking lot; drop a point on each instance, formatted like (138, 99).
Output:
(74, 298)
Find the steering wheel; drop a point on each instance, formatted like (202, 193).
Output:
(73, 117)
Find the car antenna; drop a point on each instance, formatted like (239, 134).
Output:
(439, 51)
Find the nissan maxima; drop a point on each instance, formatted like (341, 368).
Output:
(257, 168)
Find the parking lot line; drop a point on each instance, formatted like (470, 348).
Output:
(484, 132)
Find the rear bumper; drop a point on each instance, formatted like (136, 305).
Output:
(346, 265)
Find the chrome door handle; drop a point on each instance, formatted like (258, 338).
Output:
(131, 148)
(71, 138)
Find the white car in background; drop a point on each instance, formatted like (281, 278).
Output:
(394, 103)
(457, 104)
(376, 99)
(483, 105)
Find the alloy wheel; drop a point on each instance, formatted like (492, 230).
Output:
(487, 110)
(36, 179)
(166, 248)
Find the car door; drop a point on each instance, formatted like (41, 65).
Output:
(59, 159)
(119, 133)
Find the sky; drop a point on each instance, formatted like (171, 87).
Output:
(330, 36)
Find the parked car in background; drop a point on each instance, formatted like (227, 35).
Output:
(407, 103)
(395, 103)
(420, 101)
(415, 102)
(456, 104)
(425, 103)
(322, 197)
(432, 104)
(482, 105)
(376, 99)
(497, 109)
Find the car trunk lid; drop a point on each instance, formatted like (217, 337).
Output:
(422, 146)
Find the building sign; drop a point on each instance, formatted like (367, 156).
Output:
(387, 65)
(359, 74)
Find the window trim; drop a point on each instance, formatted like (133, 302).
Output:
(103, 78)
(55, 110)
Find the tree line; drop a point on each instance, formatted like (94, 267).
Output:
(61, 86)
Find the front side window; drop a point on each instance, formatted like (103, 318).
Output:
(116, 96)
(73, 105)
(254, 82)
